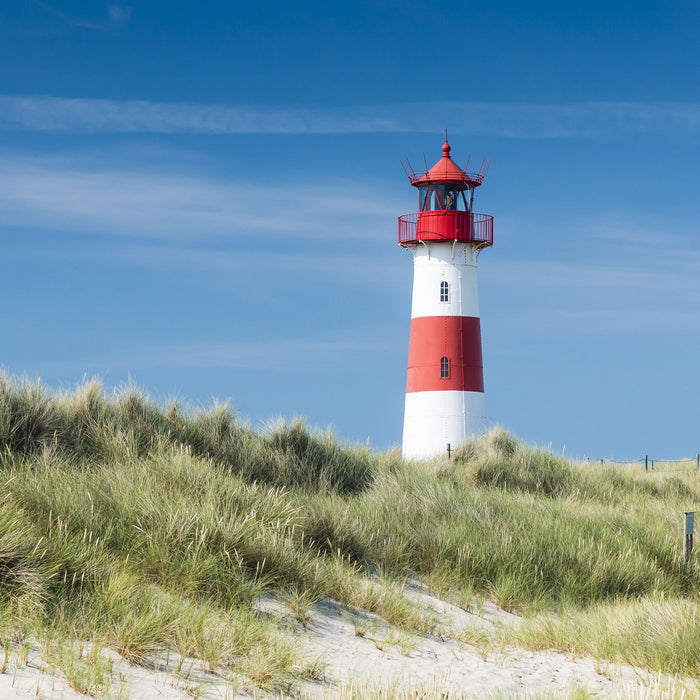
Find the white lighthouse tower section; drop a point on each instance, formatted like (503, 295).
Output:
(435, 419)
(453, 263)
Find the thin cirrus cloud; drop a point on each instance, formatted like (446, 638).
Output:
(118, 16)
(618, 321)
(281, 354)
(659, 293)
(593, 120)
(49, 193)
(654, 277)
(235, 270)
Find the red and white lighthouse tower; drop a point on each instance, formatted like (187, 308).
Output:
(445, 385)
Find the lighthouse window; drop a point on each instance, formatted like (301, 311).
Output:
(468, 197)
(423, 198)
(432, 198)
(458, 199)
(444, 198)
(438, 199)
(451, 197)
(444, 291)
(444, 368)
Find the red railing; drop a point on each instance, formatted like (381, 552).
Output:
(445, 226)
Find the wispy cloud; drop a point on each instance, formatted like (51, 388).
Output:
(672, 232)
(656, 277)
(649, 322)
(589, 120)
(276, 355)
(237, 270)
(656, 294)
(52, 193)
(118, 16)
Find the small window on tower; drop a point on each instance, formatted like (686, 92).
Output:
(444, 368)
(444, 291)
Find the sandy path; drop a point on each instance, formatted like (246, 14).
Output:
(384, 656)
(356, 647)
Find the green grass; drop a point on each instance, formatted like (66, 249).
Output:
(650, 632)
(145, 529)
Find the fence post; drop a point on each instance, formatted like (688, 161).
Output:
(688, 539)
(646, 463)
(601, 462)
(449, 451)
(697, 461)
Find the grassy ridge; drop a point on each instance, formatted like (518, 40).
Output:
(140, 528)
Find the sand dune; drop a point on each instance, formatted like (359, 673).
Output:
(355, 649)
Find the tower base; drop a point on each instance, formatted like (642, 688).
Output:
(435, 419)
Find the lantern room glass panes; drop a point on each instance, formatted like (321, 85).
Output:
(444, 368)
(445, 198)
(422, 194)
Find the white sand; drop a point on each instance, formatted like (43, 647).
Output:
(385, 656)
(356, 647)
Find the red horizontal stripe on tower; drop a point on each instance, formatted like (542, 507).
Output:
(458, 338)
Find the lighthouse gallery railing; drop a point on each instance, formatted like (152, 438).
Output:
(451, 226)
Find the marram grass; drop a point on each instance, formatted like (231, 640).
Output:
(145, 529)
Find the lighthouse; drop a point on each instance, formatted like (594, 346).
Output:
(445, 381)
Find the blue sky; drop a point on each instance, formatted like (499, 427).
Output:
(201, 198)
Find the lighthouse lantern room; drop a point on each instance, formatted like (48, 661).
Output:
(445, 382)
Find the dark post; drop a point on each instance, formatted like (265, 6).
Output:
(449, 451)
(688, 540)
(697, 461)
(646, 463)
